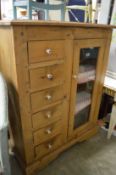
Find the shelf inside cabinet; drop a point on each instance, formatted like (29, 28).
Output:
(86, 74)
(82, 117)
(83, 100)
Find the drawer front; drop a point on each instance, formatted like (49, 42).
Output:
(41, 99)
(48, 76)
(48, 116)
(48, 132)
(45, 50)
(48, 146)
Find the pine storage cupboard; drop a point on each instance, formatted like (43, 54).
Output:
(55, 73)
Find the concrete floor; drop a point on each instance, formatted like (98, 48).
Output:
(96, 156)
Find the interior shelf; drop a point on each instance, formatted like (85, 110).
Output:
(86, 74)
(83, 100)
(85, 85)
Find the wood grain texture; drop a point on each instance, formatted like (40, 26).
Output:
(47, 76)
(20, 49)
(46, 97)
(48, 50)
(48, 116)
(42, 88)
(47, 132)
(9, 70)
(53, 23)
(41, 163)
(104, 68)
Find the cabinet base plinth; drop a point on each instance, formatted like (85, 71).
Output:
(39, 164)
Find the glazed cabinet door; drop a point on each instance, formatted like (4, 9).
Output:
(86, 80)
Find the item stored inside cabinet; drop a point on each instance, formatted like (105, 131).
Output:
(85, 84)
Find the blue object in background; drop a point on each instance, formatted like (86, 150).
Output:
(79, 14)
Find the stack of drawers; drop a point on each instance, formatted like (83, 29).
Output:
(48, 97)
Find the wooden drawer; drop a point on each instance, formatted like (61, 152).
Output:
(48, 132)
(47, 76)
(45, 50)
(40, 100)
(48, 116)
(49, 146)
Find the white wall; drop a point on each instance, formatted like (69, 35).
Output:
(104, 12)
(6, 6)
(112, 60)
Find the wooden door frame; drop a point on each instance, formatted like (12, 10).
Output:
(78, 45)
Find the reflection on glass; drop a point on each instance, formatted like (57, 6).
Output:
(86, 78)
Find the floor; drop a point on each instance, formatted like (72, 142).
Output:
(97, 156)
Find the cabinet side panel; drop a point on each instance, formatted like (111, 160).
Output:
(104, 69)
(21, 55)
(8, 68)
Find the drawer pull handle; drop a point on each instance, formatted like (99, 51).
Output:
(49, 76)
(49, 146)
(48, 97)
(49, 51)
(49, 115)
(49, 131)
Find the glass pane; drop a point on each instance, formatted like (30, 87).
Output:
(85, 84)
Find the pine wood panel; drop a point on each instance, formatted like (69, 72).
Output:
(48, 146)
(54, 23)
(47, 132)
(45, 50)
(9, 70)
(44, 98)
(48, 116)
(89, 33)
(102, 75)
(47, 76)
(19, 35)
(80, 44)
(55, 33)
(41, 163)
(22, 60)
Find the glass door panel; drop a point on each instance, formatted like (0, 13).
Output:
(86, 80)
(85, 84)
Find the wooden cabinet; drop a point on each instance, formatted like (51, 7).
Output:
(55, 73)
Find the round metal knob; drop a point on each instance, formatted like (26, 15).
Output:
(48, 115)
(50, 76)
(75, 76)
(49, 146)
(48, 97)
(49, 51)
(48, 131)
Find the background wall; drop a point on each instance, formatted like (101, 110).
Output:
(54, 15)
(112, 60)
(6, 6)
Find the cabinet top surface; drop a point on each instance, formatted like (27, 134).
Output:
(52, 23)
